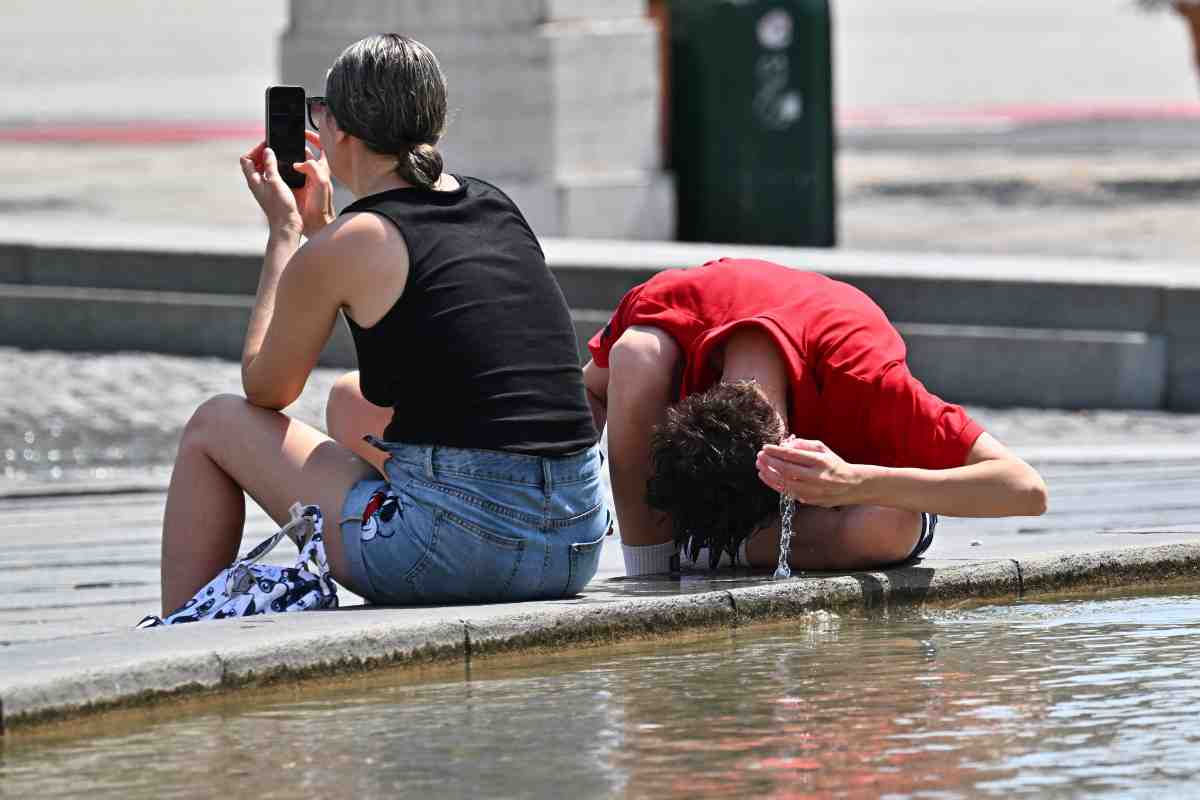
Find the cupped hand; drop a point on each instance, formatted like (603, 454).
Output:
(274, 197)
(808, 471)
(315, 198)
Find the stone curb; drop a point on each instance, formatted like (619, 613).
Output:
(82, 489)
(57, 680)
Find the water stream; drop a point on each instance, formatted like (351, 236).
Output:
(786, 505)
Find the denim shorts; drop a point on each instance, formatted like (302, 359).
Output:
(453, 525)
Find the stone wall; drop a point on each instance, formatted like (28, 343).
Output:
(557, 101)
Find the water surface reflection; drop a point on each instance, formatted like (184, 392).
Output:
(1076, 697)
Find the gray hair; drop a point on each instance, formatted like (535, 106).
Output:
(388, 90)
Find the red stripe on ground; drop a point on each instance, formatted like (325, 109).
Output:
(1007, 116)
(131, 132)
(910, 118)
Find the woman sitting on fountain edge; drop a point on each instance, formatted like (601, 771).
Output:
(786, 382)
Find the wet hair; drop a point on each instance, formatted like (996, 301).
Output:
(388, 90)
(703, 468)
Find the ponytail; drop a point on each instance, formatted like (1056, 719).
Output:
(421, 166)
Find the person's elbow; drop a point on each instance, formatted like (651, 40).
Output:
(272, 401)
(271, 395)
(1033, 497)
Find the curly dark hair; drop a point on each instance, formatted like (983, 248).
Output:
(703, 468)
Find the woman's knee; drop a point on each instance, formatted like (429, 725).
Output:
(344, 396)
(213, 419)
(345, 389)
(885, 535)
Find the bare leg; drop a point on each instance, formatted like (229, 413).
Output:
(853, 537)
(349, 416)
(229, 446)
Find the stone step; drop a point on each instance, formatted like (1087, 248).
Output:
(1082, 294)
(108, 320)
(1087, 294)
(991, 365)
(1118, 322)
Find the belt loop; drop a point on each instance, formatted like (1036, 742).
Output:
(547, 478)
(377, 443)
(429, 471)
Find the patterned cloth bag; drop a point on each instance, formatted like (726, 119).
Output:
(246, 587)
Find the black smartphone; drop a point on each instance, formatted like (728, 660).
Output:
(285, 130)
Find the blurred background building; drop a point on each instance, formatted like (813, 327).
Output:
(133, 109)
(148, 59)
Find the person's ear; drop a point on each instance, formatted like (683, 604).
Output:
(339, 135)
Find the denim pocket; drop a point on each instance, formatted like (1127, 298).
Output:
(466, 562)
(584, 560)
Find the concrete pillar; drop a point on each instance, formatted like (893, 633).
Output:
(555, 101)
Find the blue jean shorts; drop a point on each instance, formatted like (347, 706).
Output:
(453, 525)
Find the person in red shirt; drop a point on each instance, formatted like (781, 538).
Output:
(726, 385)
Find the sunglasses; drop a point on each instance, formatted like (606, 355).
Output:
(316, 106)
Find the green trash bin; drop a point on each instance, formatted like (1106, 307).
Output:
(751, 121)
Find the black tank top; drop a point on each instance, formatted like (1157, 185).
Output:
(479, 351)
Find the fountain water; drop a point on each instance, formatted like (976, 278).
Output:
(785, 536)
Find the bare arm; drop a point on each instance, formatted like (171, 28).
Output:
(282, 245)
(357, 262)
(595, 380)
(853, 537)
(293, 309)
(292, 319)
(992, 483)
(642, 366)
(862, 515)
(848, 537)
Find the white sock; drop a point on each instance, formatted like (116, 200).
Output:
(648, 559)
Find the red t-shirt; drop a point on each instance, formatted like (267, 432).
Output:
(850, 385)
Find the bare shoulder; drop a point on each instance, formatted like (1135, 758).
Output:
(645, 346)
(364, 261)
(357, 238)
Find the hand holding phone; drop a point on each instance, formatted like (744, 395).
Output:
(263, 176)
(315, 199)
